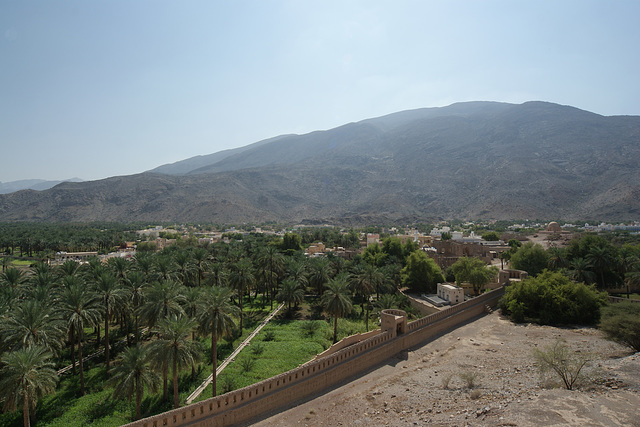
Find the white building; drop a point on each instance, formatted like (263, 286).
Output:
(451, 293)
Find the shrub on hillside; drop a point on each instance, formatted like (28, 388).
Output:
(621, 323)
(551, 298)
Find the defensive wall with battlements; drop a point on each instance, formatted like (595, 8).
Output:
(318, 375)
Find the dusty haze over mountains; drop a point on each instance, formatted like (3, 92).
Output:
(467, 160)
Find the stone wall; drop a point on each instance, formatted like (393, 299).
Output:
(286, 389)
(346, 342)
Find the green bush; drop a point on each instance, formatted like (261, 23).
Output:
(621, 323)
(269, 335)
(552, 298)
(531, 258)
(558, 359)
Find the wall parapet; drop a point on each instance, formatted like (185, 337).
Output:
(317, 375)
(346, 342)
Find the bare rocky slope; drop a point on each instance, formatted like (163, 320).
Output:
(429, 385)
(468, 160)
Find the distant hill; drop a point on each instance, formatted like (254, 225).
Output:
(467, 160)
(30, 184)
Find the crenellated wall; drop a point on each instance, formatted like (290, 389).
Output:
(318, 375)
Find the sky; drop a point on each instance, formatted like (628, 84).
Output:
(93, 89)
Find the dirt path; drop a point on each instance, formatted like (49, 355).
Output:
(409, 389)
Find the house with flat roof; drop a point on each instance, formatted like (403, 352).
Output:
(452, 293)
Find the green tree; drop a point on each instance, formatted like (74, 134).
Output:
(601, 258)
(531, 258)
(242, 280)
(336, 301)
(556, 258)
(272, 263)
(421, 273)
(68, 268)
(80, 307)
(581, 270)
(26, 375)
(364, 284)
(173, 347)
(552, 298)
(374, 255)
(216, 317)
(290, 292)
(162, 300)
(291, 242)
(319, 274)
(562, 361)
(621, 323)
(132, 374)
(112, 296)
(201, 261)
(474, 271)
(135, 287)
(386, 302)
(491, 236)
(30, 323)
(392, 246)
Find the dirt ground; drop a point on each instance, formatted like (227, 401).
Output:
(412, 389)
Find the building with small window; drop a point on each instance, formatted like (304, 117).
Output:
(451, 293)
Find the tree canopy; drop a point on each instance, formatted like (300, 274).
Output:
(531, 258)
(551, 298)
(421, 273)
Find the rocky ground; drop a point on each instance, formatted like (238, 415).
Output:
(430, 384)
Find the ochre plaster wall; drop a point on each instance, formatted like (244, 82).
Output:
(285, 389)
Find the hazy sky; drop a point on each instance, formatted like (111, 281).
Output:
(92, 89)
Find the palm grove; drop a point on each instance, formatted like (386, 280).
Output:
(157, 318)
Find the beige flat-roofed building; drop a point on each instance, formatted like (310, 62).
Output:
(451, 293)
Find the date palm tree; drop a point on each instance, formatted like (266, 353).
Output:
(290, 292)
(132, 373)
(272, 264)
(216, 318)
(68, 268)
(119, 267)
(32, 323)
(336, 300)
(135, 287)
(143, 262)
(12, 277)
(26, 375)
(242, 279)
(5, 261)
(112, 296)
(368, 280)
(164, 267)
(601, 259)
(581, 270)
(173, 347)
(162, 300)
(182, 261)
(319, 274)
(200, 260)
(80, 307)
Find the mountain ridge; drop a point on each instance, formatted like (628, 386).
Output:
(468, 160)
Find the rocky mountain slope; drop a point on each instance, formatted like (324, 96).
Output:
(30, 184)
(468, 160)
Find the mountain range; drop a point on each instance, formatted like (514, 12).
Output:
(31, 184)
(473, 160)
